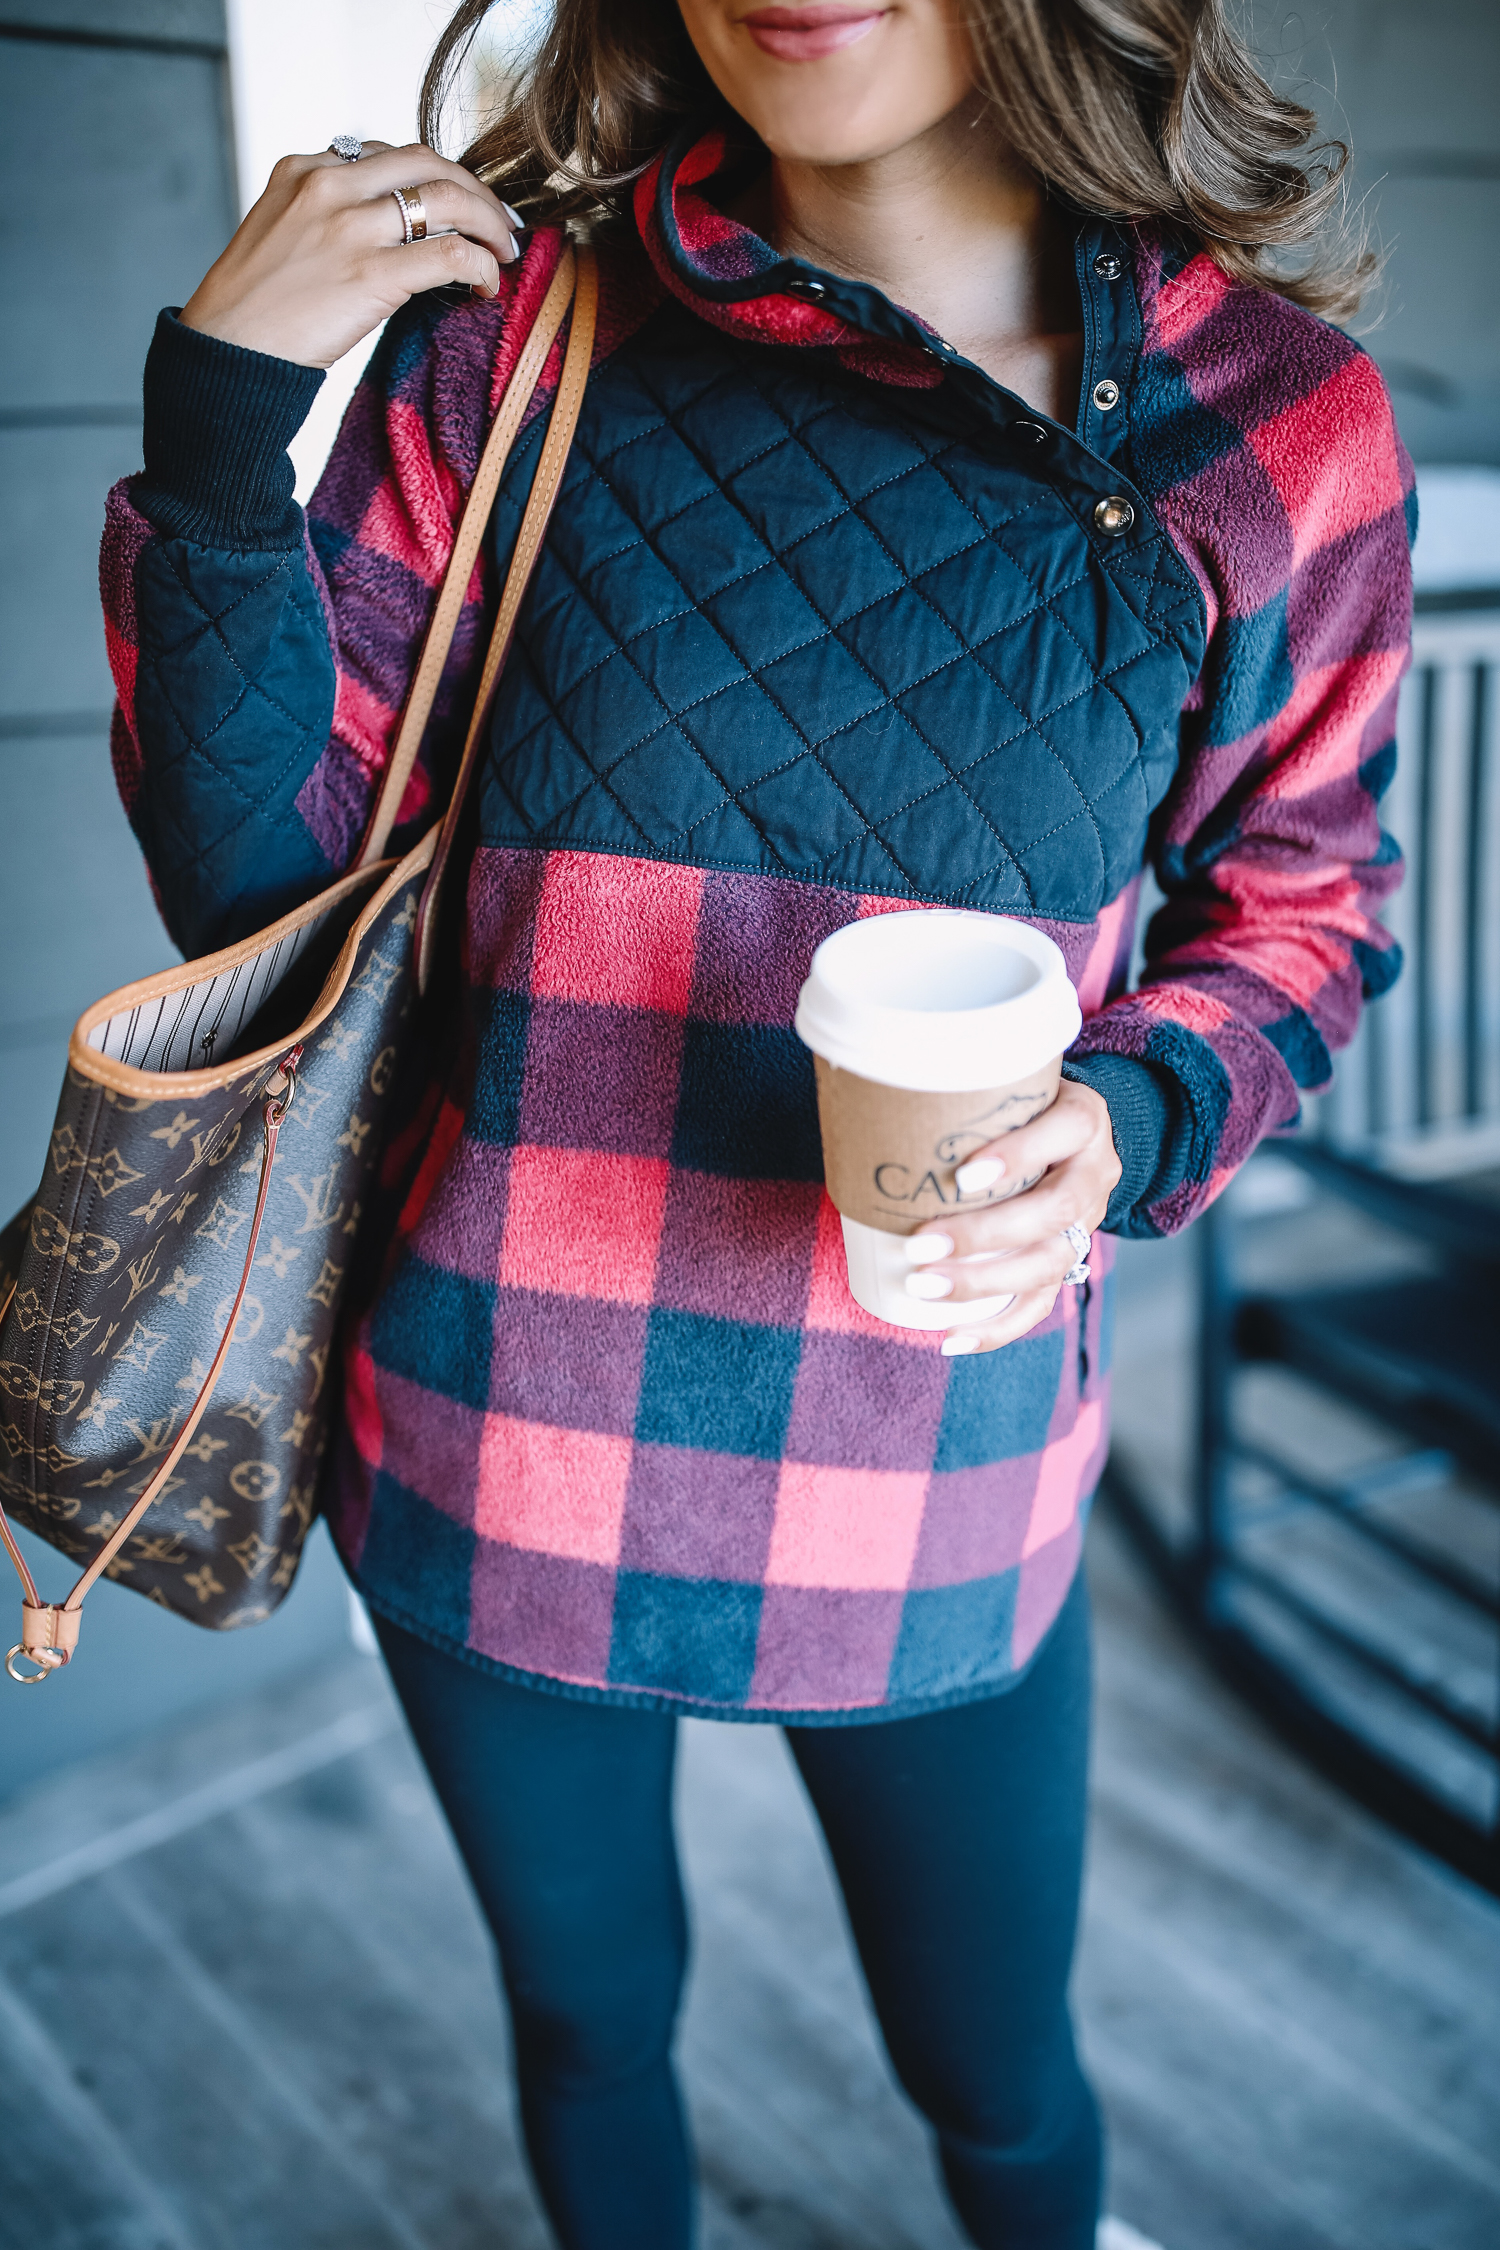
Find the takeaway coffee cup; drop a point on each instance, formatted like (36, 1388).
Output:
(932, 1033)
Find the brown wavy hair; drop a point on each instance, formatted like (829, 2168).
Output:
(1131, 109)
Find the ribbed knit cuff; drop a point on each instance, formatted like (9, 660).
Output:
(219, 420)
(1147, 1115)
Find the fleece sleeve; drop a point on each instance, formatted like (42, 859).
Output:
(1267, 442)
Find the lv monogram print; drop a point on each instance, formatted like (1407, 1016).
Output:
(124, 1273)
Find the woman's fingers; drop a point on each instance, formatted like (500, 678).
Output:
(382, 168)
(1040, 1265)
(321, 259)
(447, 209)
(1064, 1167)
(407, 268)
(1017, 1320)
(1071, 1194)
(377, 172)
(1074, 1193)
(1008, 1165)
(1017, 1247)
(335, 194)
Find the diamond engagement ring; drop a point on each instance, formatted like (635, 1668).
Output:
(413, 213)
(1077, 1239)
(348, 146)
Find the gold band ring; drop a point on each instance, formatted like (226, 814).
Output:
(413, 213)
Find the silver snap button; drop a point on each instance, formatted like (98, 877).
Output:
(1108, 267)
(1106, 395)
(1113, 514)
(807, 288)
(1029, 433)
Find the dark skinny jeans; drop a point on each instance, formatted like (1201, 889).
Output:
(958, 1840)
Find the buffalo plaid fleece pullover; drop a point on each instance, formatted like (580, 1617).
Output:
(826, 624)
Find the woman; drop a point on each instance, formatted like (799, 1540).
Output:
(962, 502)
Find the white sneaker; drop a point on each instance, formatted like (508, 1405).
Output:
(1117, 2234)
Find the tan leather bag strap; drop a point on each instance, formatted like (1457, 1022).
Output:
(466, 545)
(540, 503)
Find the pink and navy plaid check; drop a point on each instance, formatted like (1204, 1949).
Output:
(616, 1408)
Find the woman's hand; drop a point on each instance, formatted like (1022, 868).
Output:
(321, 260)
(1065, 1167)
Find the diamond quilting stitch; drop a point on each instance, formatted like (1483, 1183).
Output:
(708, 719)
(808, 747)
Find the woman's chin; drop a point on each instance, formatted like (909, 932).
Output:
(827, 132)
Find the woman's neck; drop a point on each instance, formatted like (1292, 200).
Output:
(949, 228)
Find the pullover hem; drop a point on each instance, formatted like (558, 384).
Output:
(689, 1707)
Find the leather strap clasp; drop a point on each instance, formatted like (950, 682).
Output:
(49, 1632)
(49, 1635)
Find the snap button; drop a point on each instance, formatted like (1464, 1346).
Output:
(1106, 395)
(1029, 433)
(1113, 515)
(1108, 267)
(804, 288)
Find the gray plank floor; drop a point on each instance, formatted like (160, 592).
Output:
(245, 2000)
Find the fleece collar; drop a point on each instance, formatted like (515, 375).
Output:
(731, 277)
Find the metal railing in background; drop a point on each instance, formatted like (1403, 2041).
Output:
(1342, 1557)
(1418, 1092)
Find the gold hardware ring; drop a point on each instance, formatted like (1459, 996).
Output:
(277, 1105)
(42, 1672)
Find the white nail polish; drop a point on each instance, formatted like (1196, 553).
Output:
(515, 249)
(929, 1285)
(982, 1173)
(958, 1346)
(515, 218)
(921, 1249)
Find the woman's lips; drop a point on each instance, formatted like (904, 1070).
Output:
(807, 34)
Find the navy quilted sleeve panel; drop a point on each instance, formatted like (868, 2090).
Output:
(219, 640)
(234, 695)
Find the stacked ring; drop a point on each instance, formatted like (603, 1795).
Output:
(413, 214)
(1077, 1239)
(348, 147)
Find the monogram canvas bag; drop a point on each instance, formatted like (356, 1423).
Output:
(169, 1302)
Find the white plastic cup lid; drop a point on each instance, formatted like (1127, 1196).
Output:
(938, 1000)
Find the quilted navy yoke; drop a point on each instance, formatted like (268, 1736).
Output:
(791, 622)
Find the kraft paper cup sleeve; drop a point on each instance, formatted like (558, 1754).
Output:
(890, 1155)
